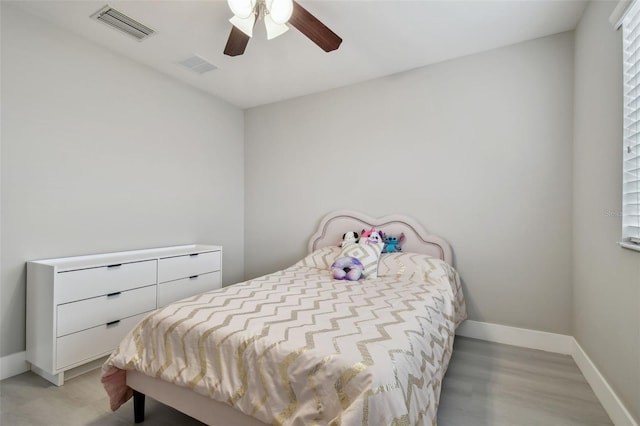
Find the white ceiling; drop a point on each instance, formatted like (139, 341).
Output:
(380, 38)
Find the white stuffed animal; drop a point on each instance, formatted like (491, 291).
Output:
(349, 238)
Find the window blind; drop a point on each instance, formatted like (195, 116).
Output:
(631, 147)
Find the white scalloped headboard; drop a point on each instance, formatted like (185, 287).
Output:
(417, 239)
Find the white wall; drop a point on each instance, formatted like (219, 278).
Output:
(606, 277)
(102, 154)
(478, 149)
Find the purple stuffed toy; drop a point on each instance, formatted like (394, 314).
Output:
(348, 268)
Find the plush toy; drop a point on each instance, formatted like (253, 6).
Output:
(348, 268)
(371, 237)
(349, 238)
(392, 243)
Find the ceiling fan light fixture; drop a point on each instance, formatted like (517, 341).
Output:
(274, 29)
(244, 24)
(276, 15)
(280, 10)
(242, 8)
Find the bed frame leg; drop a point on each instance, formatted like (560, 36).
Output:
(138, 407)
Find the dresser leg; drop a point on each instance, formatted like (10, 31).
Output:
(138, 407)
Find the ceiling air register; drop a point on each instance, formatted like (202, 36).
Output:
(123, 23)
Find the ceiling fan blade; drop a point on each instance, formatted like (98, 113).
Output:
(315, 30)
(237, 42)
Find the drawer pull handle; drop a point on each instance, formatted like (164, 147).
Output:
(194, 254)
(113, 323)
(114, 294)
(115, 265)
(193, 277)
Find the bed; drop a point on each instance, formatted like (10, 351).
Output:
(298, 347)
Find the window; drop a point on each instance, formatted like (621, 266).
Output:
(631, 147)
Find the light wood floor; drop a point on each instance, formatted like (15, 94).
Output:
(493, 384)
(486, 384)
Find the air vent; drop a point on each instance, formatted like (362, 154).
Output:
(198, 64)
(122, 22)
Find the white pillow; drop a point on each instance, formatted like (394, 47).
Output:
(321, 258)
(408, 266)
(368, 254)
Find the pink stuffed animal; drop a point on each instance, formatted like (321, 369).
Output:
(371, 237)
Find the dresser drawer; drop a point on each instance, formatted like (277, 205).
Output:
(186, 287)
(92, 282)
(92, 343)
(173, 268)
(88, 313)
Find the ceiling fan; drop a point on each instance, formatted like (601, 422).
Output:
(275, 14)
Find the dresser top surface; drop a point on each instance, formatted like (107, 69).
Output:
(104, 259)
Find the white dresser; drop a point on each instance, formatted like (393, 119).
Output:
(79, 308)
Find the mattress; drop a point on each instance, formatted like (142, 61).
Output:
(297, 347)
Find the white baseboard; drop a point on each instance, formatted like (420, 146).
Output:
(558, 343)
(14, 364)
(533, 339)
(618, 413)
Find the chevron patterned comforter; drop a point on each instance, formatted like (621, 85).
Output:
(299, 348)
